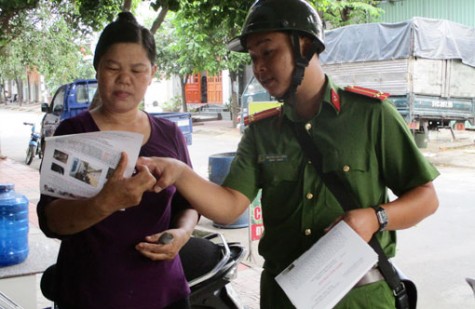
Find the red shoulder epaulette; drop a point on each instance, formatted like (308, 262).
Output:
(261, 115)
(368, 92)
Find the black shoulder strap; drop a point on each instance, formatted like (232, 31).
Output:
(348, 201)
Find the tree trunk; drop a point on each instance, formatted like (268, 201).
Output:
(28, 98)
(235, 109)
(183, 80)
(19, 89)
(2, 91)
(127, 6)
(160, 18)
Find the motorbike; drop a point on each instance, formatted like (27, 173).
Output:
(34, 145)
(210, 264)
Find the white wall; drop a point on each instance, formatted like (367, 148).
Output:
(161, 91)
(226, 80)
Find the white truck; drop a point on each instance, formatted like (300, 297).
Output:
(427, 66)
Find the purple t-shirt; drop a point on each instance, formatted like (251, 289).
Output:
(100, 267)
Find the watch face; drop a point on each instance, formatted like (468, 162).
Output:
(382, 218)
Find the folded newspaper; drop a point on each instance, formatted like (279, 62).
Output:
(321, 277)
(77, 166)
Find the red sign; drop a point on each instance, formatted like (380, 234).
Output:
(256, 231)
(257, 225)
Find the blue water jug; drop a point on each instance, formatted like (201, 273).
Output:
(13, 226)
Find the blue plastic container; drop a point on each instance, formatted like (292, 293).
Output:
(13, 226)
(218, 168)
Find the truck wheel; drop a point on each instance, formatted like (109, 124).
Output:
(30, 153)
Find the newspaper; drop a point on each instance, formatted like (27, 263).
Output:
(323, 275)
(77, 166)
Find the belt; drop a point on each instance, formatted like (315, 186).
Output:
(372, 276)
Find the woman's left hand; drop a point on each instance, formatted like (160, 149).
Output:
(155, 251)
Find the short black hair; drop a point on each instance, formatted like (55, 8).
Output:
(125, 29)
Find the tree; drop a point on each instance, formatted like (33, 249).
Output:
(190, 44)
(49, 36)
(341, 13)
(202, 29)
(81, 15)
(47, 44)
(11, 18)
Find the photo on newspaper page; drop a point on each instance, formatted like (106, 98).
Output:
(77, 166)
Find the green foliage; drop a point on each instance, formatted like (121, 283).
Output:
(194, 38)
(50, 35)
(192, 41)
(173, 105)
(339, 13)
(172, 5)
(93, 14)
(48, 44)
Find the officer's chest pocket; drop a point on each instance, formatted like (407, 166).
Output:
(351, 165)
(275, 173)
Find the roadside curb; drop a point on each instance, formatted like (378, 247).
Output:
(31, 107)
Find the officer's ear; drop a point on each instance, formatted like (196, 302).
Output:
(305, 43)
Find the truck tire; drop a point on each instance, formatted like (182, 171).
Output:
(30, 153)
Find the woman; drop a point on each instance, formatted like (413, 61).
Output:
(110, 258)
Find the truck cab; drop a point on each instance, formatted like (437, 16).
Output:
(255, 99)
(68, 101)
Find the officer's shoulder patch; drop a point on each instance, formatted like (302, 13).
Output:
(375, 94)
(262, 115)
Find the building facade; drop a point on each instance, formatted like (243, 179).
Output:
(459, 11)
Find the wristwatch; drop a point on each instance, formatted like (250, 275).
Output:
(382, 217)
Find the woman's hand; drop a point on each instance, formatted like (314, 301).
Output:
(120, 192)
(155, 251)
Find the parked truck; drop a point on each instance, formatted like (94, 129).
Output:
(75, 97)
(68, 101)
(427, 66)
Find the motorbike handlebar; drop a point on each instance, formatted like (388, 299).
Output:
(225, 258)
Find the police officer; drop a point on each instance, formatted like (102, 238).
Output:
(361, 137)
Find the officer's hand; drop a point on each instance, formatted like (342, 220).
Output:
(363, 221)
(167, 171)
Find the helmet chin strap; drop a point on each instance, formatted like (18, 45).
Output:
(301, 63)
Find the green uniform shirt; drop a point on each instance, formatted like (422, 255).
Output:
(362, 138)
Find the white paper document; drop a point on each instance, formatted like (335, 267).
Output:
(325, 273)
(77, 166)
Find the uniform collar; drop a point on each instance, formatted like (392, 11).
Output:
(331, 97)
